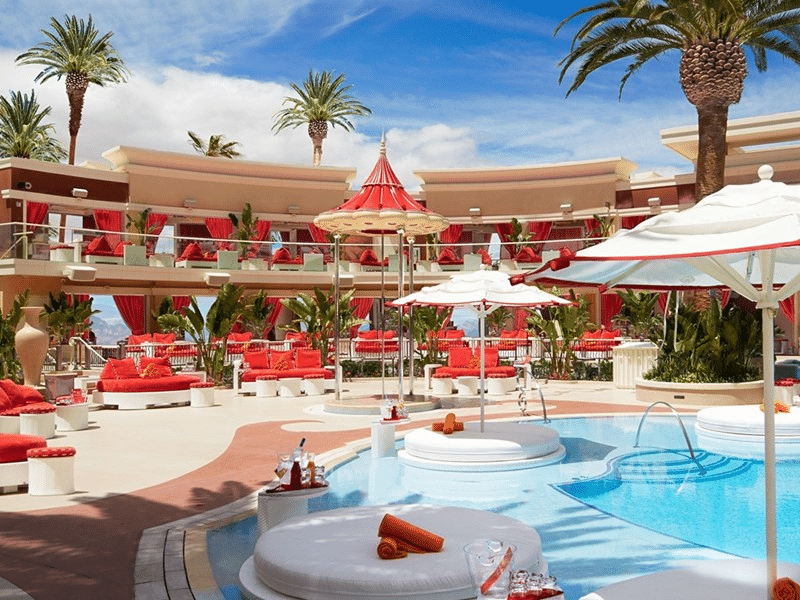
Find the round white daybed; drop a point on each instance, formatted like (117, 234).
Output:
(502, 446)
(739, 431)
(332, 555)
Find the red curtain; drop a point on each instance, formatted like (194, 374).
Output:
(662, 301)
(631, 222)
(504, 232)
(277, 307)
(180, 302)
(540, 232)
(109, 221)
(131, 309)
(154, 226)
(724, 297)
(36, 214)
(361, 308)
(521, 318)
(451, 235)
(220, 228)
(787, 308)
(610, 305)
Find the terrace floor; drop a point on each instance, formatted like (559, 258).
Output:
(139, 470)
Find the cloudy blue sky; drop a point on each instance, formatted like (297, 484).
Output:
(454, 84)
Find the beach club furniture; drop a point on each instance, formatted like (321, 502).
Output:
(17, 399)
(14, 460)
(201, 394)
(38, 419)
(442, 385)
(51, 471)
(464, 362)
(290, 387)
(266, 386)
(152, 384)
(72, 417)
(314, 384)
(282, 364)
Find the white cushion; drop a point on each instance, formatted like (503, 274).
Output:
(747, 420)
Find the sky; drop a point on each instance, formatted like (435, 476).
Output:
(452, 84)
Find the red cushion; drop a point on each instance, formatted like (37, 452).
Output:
(369, 258)
(307, 358)
(508, 333)
(492, 357)
(120, 249)
(134, 340)
(14, 446)
(155, 366)
(505, 370)
(448, 257)
(98, 245)
(34, 408)
(20, 394)
(192, 252)
(389, 334)
(454, 334)
(244, 336)
(254, 374)
(526, 254)
(143, 385)
(282, 255)
(459, 357)
(119, 369)
(5, 401)
(256, 360)
(54, 452)
(609, 334)
(281, 361)
(486, 258)
(163, 338)
(370, 334)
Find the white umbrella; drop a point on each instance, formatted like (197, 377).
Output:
(482, 292)
(745, 237)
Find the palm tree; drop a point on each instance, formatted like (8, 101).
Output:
(216, 146)
(22, 133)
(710, 35)
(322, 100)
(75, 49)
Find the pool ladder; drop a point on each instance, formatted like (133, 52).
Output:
(683, 429)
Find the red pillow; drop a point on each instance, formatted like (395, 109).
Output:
(508, 333)
(390, 334)
(5, 401)
(609, 334)
(308, 359)
(454, 334)
(134, 340)
(369, 334)
(119, 369)
(448, 257)
(526, 254)
(244, 336)
(192, 252)
(459, 357)
(98, 244)
(282, 255)
(368, 258)
(492, 356)
(160, 366)
(10, 390)
(280, 361)
(119, 250)
(163, 338)
(256, 360)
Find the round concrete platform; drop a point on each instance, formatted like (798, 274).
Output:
(500, 447)
(739, 431)
(371, 405)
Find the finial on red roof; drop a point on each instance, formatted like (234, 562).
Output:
(383, 143)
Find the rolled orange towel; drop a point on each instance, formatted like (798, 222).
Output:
(388, 550)
(439, 426)
(404, 531)
(785, 589)
(449, 423)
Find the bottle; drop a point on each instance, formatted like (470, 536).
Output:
(296, 477)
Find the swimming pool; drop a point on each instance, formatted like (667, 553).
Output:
(608, 512)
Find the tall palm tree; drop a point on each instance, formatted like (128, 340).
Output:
(22, 133)
(322, 100)
(711, 36)
(76, 49)
(216, 146)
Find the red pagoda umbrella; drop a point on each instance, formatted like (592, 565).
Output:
(382, 206)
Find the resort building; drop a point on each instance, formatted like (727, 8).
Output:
(72, 228)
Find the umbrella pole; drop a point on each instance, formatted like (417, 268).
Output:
(400, 331)
(383, 326)
(336, 283)
(481, 325)
(768, 322)
(411, 318)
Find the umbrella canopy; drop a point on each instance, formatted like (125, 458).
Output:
(745, 237)
(483, 292)
(381, 206)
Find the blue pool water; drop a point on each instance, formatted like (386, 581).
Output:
(607, 513)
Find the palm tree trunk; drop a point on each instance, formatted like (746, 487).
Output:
(317, 141)
(712, 147)
(75, 95)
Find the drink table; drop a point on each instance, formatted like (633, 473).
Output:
(276, 507)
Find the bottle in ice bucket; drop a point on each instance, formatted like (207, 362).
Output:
(296, 477)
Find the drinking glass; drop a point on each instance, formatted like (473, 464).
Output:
(490, 564)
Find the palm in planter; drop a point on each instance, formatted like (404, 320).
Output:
(245, 228)
(66, 316)
(9, 361)
(428, 322)
(638, 311)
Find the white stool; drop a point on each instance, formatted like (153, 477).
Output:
(9, 424)
(290, 387)
(72, 417)
(266, 386)
(496, 386)
(442, 386)
(201, 395)
(314, 386)
(51, 471)
(467, 386)
(41, 424)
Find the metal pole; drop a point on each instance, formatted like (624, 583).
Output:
(411, 318)
(337, 377)
(383, 325)
(400, 329)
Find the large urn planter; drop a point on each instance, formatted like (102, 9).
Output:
(707, 394)
(31, 343)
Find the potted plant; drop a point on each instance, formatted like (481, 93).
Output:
(10, 367)
(245, 230)
(66, 316)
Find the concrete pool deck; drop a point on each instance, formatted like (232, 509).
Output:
(147, 470)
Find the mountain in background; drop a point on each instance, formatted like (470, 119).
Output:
(109, 332)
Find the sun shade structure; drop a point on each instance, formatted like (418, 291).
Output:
(745, 237)
(381, 206)
(482, 292)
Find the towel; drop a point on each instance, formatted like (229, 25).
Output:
(449, 426)
(457, 426)
(388, 550)
(404, 531)
(785, 589)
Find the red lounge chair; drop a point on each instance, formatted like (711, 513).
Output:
(527, 255)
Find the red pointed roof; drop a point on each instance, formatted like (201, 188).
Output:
(381, 206)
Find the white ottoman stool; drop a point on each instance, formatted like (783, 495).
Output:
(9, 424)
(72, 417)
(496, 386)
(467, 386)
(289, 387)
(51, 471)
(266, 386)
(314, 385)
(442, 386)
(38, 420)
(201, 394)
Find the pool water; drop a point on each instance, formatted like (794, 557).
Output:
(607, 513)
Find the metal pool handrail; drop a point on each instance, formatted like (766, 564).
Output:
(680, 422)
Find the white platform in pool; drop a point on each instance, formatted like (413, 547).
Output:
(739, 431)
(332, 555)
(501, 446)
